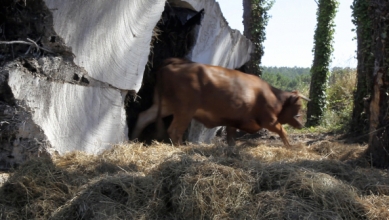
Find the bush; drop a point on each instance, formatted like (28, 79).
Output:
(340, 91)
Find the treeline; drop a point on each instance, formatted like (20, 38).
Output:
(287, 78)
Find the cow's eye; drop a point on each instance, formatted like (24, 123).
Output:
(297, 116)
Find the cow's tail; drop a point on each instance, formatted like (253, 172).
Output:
(159, 89)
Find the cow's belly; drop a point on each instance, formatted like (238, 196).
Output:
(209, 119)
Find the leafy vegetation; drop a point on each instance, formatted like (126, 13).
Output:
(340, 92)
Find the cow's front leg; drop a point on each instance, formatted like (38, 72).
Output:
(231, 132)
(277, 128)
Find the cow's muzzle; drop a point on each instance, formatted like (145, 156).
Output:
(297, 119)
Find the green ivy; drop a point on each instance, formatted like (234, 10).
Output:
(259, 21)
(323, 49)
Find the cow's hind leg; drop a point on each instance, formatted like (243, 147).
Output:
(178, 126)
(147, 117)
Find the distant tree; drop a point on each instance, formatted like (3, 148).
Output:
(323, 49)
(255, 19)
(287, 78)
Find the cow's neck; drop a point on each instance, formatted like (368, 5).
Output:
(282, 96)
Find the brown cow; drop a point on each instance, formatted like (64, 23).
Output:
(216, 96)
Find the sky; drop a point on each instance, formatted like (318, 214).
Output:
(290, 31)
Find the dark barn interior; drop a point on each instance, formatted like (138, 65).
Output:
(174, 36)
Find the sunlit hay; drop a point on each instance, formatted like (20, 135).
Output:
(378, 207)
(138, 157)
(336, 150)
(269, 154)
(307, 194)
(211, 191)
(125, 157)
(249, 181)
(220, 150)
(130, 196)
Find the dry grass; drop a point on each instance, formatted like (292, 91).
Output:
(325, 180)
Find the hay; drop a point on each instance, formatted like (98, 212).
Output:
(133, 181)
(211, 190)
(37, 188)
(130, 196)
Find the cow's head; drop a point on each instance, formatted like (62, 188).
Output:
(290, 113)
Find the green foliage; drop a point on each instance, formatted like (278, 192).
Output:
(323, 49)
(259, 21)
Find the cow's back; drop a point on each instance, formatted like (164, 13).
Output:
(218, 96)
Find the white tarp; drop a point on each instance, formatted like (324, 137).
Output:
(111, 39)
(111, 42)
(217, 44)
(72, 117)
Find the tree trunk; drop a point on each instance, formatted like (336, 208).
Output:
(247, 18)
(322, 58)
(250, 66)
(378, 149)
(359, 122)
